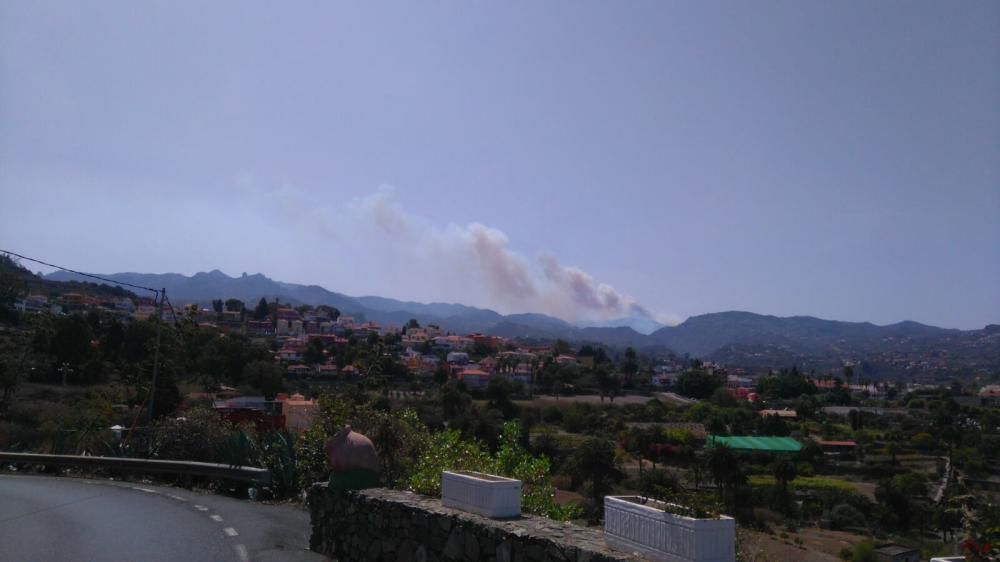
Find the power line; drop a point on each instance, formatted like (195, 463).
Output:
(92, 276)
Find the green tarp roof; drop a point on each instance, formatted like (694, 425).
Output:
(750, 443)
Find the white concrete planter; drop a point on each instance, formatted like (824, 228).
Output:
(485, 494)
(658, 535)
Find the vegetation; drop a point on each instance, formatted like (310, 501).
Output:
(605, 429)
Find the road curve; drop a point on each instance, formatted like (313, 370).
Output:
(67, 519)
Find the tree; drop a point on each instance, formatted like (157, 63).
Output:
(722, 398)
(594, 462)
(9, 381)
(330, 311)
(697, 383)
(266, 377)
(784, 472)
(561, 347)
(724, 467)
(400, 438)
(224, 358)
(113, 340)
(11, 285)
(314, 353)
(262, 310)
(721, 463)
(412, 324)
(900, 495)
(138, 343)
(848, 374)
(71, 340)
(168, 396)
(217, 305)
(773, 425)
(608, 384)
(786, 384)
(630, 366)
(498, 394)
(234, 305)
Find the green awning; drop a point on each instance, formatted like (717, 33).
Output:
(750, 443)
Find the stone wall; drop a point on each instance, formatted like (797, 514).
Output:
(389, 525)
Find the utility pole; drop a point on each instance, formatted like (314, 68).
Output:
(156, 353)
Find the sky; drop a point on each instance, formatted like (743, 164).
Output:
(586, 159)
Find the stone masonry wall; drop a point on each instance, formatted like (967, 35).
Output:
(391, 525)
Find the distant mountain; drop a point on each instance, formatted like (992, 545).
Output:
(734, 338)
(642, 324)
(203, 287)
(702, 335)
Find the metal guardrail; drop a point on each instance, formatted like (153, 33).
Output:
(260, 476)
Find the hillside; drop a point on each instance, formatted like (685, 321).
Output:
(734, 337)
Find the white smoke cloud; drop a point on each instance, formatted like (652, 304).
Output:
(476, 262)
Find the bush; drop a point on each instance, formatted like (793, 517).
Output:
(844, 516)
(922, 441)
(863, 552)
(448, 451)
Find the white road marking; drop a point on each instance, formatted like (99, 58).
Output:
(241, 551)
(178, 498)
(147, 490)
(200, 507)
(229, 531)
(216, 518)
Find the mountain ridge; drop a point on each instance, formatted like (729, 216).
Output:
(722, 335)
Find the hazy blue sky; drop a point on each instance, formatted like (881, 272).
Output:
(838, 159)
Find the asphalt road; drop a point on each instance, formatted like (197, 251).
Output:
(67, 519)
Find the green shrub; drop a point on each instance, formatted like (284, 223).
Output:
(449, 451)
(843, 516)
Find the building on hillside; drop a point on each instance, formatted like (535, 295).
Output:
(492, 343)
(455, 343)
(783, 413)
(837, 447)
(329, 340)
(298, 371)
(260, 328)
(734, 382)
(327, 370)
(474, 379)
(287, 314)
(144, 311)
(990, 392)
(265, 414)
(232, 317)
(33, 303)
(666, 379)
(457, 358)
(299, 413)
(488, 364)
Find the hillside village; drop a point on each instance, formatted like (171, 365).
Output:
(820, 464)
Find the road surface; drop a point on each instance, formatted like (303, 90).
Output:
(67, 519)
